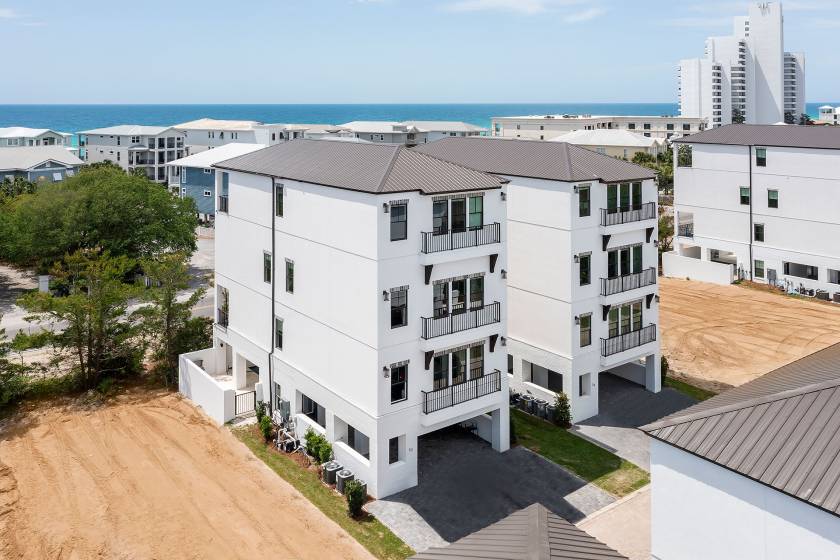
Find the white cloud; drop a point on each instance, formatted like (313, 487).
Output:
(699, 22)
(8, 13)
(585, 15)
(528, 7)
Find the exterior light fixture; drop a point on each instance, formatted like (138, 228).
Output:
(384, 295)
(503, 341)
(503, 273)
(577, 259)
(656, 243)
(503, 195)
(656, 297)
(385, 207)
(577, 319)
(575, 188)
(386, 373)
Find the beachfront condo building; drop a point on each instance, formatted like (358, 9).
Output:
(547, 127)
(829, 115)
(148, 148)
(20, 136)
(582, 265)
(194, 176)
(746, 77)
(205, 134)
(360, 290)
(410, 133)
(758, 202)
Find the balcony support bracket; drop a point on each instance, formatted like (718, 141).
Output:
(429, 268)
(649, 299)
(605, 240)
(605, 309)
(429, 355)
(493, 258)
(649, 233)
(493, 339)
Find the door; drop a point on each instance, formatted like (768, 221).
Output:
(459, 296)
(459, 215)
(636, 196)
(624, 197)
(612, 199)
(459, 366)
(440, 217)
(441, 299)
(637, 259)
(441, 371)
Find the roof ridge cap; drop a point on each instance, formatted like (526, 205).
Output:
(394, 157)
(732, 407)
(456, 164)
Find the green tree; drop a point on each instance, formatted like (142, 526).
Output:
(790, 118)
(805, 120)
(562, 410)
(11, 188)
(13, 376)
(738, 116)
(167, 324)
(102, 209)
(90, 321)
(666, 232)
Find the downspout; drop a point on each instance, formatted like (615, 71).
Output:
(273, 207)
(752, 261)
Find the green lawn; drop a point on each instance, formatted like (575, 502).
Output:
(585, 459)
(688, 389)
(370, 533)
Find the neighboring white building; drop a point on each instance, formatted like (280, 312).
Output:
(612, 142)
(204, 134)
(410, 133)
(759, 202)
(134, 147)
(545, 127)
(361, 287)
(20, 136)
(753, 473)
(582, 291)
(748, 71)
(49, 163)
(829, 115)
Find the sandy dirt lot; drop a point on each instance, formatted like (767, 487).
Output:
(148, 477)
(728, 335)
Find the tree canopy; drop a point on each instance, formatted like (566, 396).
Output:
(102, 209)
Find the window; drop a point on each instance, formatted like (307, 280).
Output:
(631, 126)
(477, 292)
(278, 333)
(510, 364)
(585, 330)
(745, 196)
(399, 386)
(584, 384)
(669, 126)
(399, 308)
(686, 127)
(761, 157)
(542, 127)
(476, 218)
(647, 126)
(583, 201)
(758, 232)
(393, 450)
(278, 200)
(208, 193)
(266, 267)
(399, 222)
(459, 215)
(290, 276)
(772, 198)
(440, 217)
(585, 266)
(208, 171)
(518, 127)
(601, 150)
(833, 276)
(801, 270)
(758, 268)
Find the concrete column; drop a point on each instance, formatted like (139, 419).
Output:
(653, 376)
(500, 419)
(330, 421)
(239, 371)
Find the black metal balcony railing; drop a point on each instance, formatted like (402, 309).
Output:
(223, 203)
(646, 211)
(473, 237)
(610, 286)
(223, 318)
(685, 230)
(462, 392)
(457, 322)
(626, 341)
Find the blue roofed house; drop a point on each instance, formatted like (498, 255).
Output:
(38, 163)
(196, 177)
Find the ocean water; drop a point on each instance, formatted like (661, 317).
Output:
(73, 118)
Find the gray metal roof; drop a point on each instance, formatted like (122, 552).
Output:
(364, 167)
(532, 533)
(558, 161)
(782, 429)
(789, 136)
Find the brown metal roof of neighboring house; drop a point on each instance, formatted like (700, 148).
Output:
(558, 161)
(532, 533)
(363, 167)
(782, 429)
(788, 136)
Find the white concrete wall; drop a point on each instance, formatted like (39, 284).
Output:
(678, 266)
(700, 510)
(195, 384)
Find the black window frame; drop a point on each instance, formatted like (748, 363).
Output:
(587, 317)
(744, 198)
(756, 229)
(290, 276)
(399, 305)
(762, 268)
(773, 202)
(471, 212)
(399, 378)
(761, 160)
(394, 450)
(278, 333)
(403, 210)
(267, 262)
(278, 200)
(584, 203)
(585, 279)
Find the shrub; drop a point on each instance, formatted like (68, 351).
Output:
(266, 427)
(663, 368)
(562, 411)
(104, 387)
(260, 410)
(317, 446)
(354, 491)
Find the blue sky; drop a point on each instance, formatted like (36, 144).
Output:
(378, 51)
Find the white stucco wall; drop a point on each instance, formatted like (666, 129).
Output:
(701, 511)
(195, 384)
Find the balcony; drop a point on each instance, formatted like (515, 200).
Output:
(223, 318)
(223, 203)
(619, 284)
(434, 327)
(646, 211)
(685, 230)
(473, 237)
(454, 395)
(628, 341)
